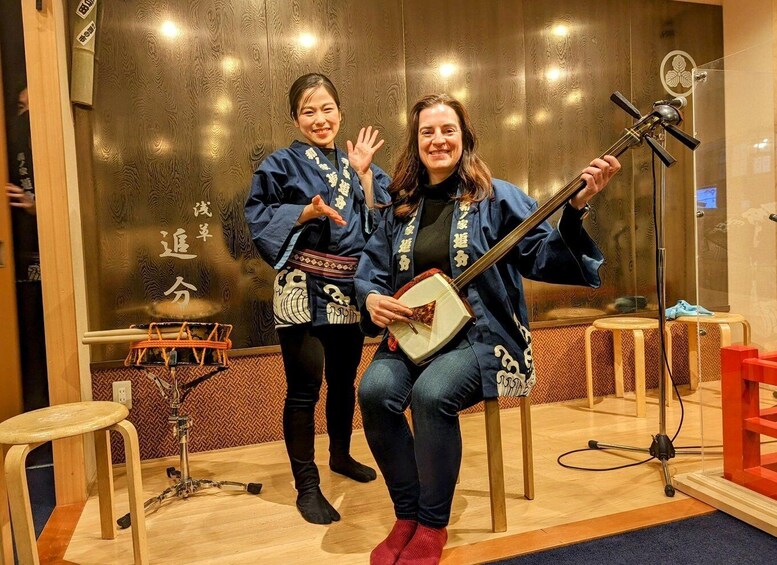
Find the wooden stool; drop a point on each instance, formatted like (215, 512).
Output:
(636, 326)
(723, 321)
(496, 473)
(26, 431)
(496, 476)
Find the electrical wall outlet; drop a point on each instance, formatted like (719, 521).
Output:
(122, 393)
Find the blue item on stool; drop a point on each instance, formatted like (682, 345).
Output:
(682, 308)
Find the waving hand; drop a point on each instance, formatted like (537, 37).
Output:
(367, 144)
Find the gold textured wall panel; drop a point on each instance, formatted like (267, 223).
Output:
(475, 53)
(356, 44)
(181, 113)
(191, 96)
(569, 78)
(659, 28)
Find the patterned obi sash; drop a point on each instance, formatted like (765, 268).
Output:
(323, 264)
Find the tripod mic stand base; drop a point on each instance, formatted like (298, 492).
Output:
(661, 448)
(186, 488)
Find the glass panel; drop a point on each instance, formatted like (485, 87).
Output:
(736, 227)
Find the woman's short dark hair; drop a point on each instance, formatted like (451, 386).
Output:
(305, 83)
(409, 173)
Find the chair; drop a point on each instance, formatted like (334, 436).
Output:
(637, 327)
(723, 320)
(496, 479)
(26, 431)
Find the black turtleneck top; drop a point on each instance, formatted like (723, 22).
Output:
(432, 244)
(331, 154)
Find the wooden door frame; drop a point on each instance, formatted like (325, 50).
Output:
(59, 232)
(10, 365)
(61, 249)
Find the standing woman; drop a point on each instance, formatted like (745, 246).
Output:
(447, 212)
(310, 212)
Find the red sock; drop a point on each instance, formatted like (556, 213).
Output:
(425, 548)
(388, 550)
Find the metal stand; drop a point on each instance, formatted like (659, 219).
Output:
(185, 485)
(661, 447)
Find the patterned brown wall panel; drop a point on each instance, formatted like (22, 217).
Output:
(244, 404)
(658, 28)
(356, 44)
(577, 55)
(475, 52)
(240, 406)
(181, 109)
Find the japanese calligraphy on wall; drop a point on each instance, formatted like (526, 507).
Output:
(180, 290)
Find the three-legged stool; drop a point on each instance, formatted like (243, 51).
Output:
(637, 327)
(26, 431)
(723, 320)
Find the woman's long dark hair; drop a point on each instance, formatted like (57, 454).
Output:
(304, 84)
(410, 173)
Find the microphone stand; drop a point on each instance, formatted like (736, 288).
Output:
(661, 447)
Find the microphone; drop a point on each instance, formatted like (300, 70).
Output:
(773, 217)
(679, 102)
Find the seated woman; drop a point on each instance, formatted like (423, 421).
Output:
(447, 212)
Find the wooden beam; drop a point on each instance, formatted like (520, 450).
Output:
(56, 534)
(6, 537)
(10, 363)
(44, 42)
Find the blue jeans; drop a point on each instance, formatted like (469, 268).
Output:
(420, 468)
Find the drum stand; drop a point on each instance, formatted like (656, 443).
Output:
(185, 485)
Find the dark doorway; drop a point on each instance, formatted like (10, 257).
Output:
(21, 192)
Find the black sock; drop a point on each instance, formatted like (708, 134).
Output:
(348, 466)
(315, 508)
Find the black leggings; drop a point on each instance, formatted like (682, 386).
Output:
(305, 350)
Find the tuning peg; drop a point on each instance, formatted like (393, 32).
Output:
(660, 152)
(622, 102)
(690, 142)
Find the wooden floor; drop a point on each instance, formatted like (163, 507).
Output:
(570, 506)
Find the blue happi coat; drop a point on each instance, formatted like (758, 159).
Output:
(500, 335)
(282, 186)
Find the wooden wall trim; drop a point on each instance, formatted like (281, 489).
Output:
(6, 537)
(44, 33)
(710, 2)
(10, 363)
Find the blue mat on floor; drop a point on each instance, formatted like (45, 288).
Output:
(40, 481)
(712, 539)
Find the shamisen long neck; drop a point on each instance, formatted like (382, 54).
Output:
(542, 213)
